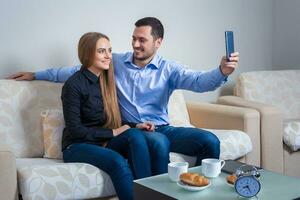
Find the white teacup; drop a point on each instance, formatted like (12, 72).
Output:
(211, 167)
(177, 168)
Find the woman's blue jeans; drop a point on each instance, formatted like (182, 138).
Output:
(131, 145)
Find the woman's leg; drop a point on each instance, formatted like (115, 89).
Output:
(107, 160)
(133, 146)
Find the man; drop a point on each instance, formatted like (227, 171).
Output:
(145, 82)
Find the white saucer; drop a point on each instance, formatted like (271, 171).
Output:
(231, 185)
(191, 188)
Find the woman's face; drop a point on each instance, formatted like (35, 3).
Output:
(103, 55)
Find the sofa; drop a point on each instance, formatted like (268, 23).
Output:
(276, 96)
(29, 170)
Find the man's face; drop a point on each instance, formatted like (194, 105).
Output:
(143, 44)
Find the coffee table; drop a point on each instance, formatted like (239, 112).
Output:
(273, 186)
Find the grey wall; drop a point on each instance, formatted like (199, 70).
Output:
(37, 34)
(286, 34)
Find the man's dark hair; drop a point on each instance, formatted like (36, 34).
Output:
(156, 25)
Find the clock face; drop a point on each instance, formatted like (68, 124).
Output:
(247, 186)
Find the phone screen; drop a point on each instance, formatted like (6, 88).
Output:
(229, 42)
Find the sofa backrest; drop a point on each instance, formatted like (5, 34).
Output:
(277, 88)
(21, 105)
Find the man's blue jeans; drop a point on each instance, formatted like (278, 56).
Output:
(131, 144)
(188, 141)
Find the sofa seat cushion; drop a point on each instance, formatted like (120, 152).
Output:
(291, 134)
(234, 144)
(41, 178)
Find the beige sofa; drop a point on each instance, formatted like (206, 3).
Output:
(276, 96)
(24, 170)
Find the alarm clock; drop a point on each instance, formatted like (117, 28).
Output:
(247, 184)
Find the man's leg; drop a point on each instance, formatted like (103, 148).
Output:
(132, 144)
(192, 142)
(159, 147)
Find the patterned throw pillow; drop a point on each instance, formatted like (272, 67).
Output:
(53, 125)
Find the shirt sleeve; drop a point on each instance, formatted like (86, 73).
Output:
(182, 78)
(131, 124)
(59, 74)
(71, 109)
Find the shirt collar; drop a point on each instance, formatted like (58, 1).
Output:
(89, 75)
(154, 62)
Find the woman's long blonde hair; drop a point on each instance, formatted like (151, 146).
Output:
(86, 54)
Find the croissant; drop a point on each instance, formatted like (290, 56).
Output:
(194, 179)
(231, 179)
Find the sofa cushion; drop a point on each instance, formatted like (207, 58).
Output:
(277, 88)
(177, 110)
(291, 134)
(53, 125)
(41, 178)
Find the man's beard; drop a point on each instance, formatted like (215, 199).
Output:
(145, 57)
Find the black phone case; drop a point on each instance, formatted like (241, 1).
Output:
(231, 165)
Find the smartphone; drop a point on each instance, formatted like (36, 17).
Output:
(229, 42)
(231, 165)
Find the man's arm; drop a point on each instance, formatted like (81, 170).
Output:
(182, 78)
(59, 74)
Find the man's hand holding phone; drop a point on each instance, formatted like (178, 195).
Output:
(227, 67)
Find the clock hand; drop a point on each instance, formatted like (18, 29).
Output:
(248, 188)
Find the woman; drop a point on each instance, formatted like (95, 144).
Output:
(93, 132)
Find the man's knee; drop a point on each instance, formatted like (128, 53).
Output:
(213, 140)
(136, 137)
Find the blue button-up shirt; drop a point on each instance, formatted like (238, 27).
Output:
(144, 92)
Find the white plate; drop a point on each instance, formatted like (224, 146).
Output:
(231, 185)
(191, 188)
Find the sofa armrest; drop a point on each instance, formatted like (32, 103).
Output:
(214, 116)
(8, 173)
(271, 131)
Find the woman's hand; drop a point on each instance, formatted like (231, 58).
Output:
(148, 126)
(120, 130)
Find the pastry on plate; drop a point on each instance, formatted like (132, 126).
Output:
(194, 179)
(231, 179)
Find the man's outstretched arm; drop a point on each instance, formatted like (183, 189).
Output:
(183, 78)
(59, 74)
